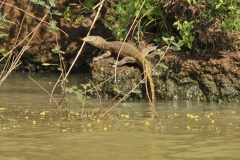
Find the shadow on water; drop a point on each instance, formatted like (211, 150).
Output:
(30, 129)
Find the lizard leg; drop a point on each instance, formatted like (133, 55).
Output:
(124, 61)
(105, 55)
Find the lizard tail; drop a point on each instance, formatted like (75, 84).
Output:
(150, 81)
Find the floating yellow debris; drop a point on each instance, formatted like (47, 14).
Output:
(147, 123)
(102, 69)
(105, 128)
(98, 120)
(34, 122)
(212, 121)
(43, 113)
(127, 116)
(188, 128)
(89, 124)
(127, 124)
(110, 116)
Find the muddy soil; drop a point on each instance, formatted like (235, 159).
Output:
(188, 77)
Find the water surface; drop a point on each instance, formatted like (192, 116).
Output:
(31, 126)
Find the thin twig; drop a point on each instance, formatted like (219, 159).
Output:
(95, 87)
(14, 63)
(109, 102)
(48, 94)
(80, 50)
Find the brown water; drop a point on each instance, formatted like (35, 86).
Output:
(31, 129)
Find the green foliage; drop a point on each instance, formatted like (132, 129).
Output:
(55, 12)
(225, 11)
(39, 2)
(53, 27)
(42, 3)
(79, 19)
(230, 12)
(11, 120)
(81, 93)
(52, 3)
(4, 20)
(122, 13)
(191, 1)
(137, 91)
(89, 4)
(171, 43)
(2, 50)
(57, 50)
(163, 66)
(67, 14)
(3, 26)
(157, 40)
(185, 30)
(3, 35)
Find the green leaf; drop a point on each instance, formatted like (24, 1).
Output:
(4, 27)
(165, 39)
(176, 23)
(160, 53)
(88, 84)
(116, 90)
(84, 86)
(175, 48)
(2, 50)
(149, 63)
(52, 3)
(163, 66)
(175, 44)
(156, 73)
(137, 91)
(69, 90)
(53, 27)
(2, 116)
(74, 87)
(90, 90)
(180, 43)
(191, 38)
(3, 35)
(56, 13)
(142, 81)
(172, 38)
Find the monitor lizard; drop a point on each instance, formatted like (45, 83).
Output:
(129, 54)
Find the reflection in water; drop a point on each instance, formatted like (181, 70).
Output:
(31, 129)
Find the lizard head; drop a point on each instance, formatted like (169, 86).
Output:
(95, 41)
